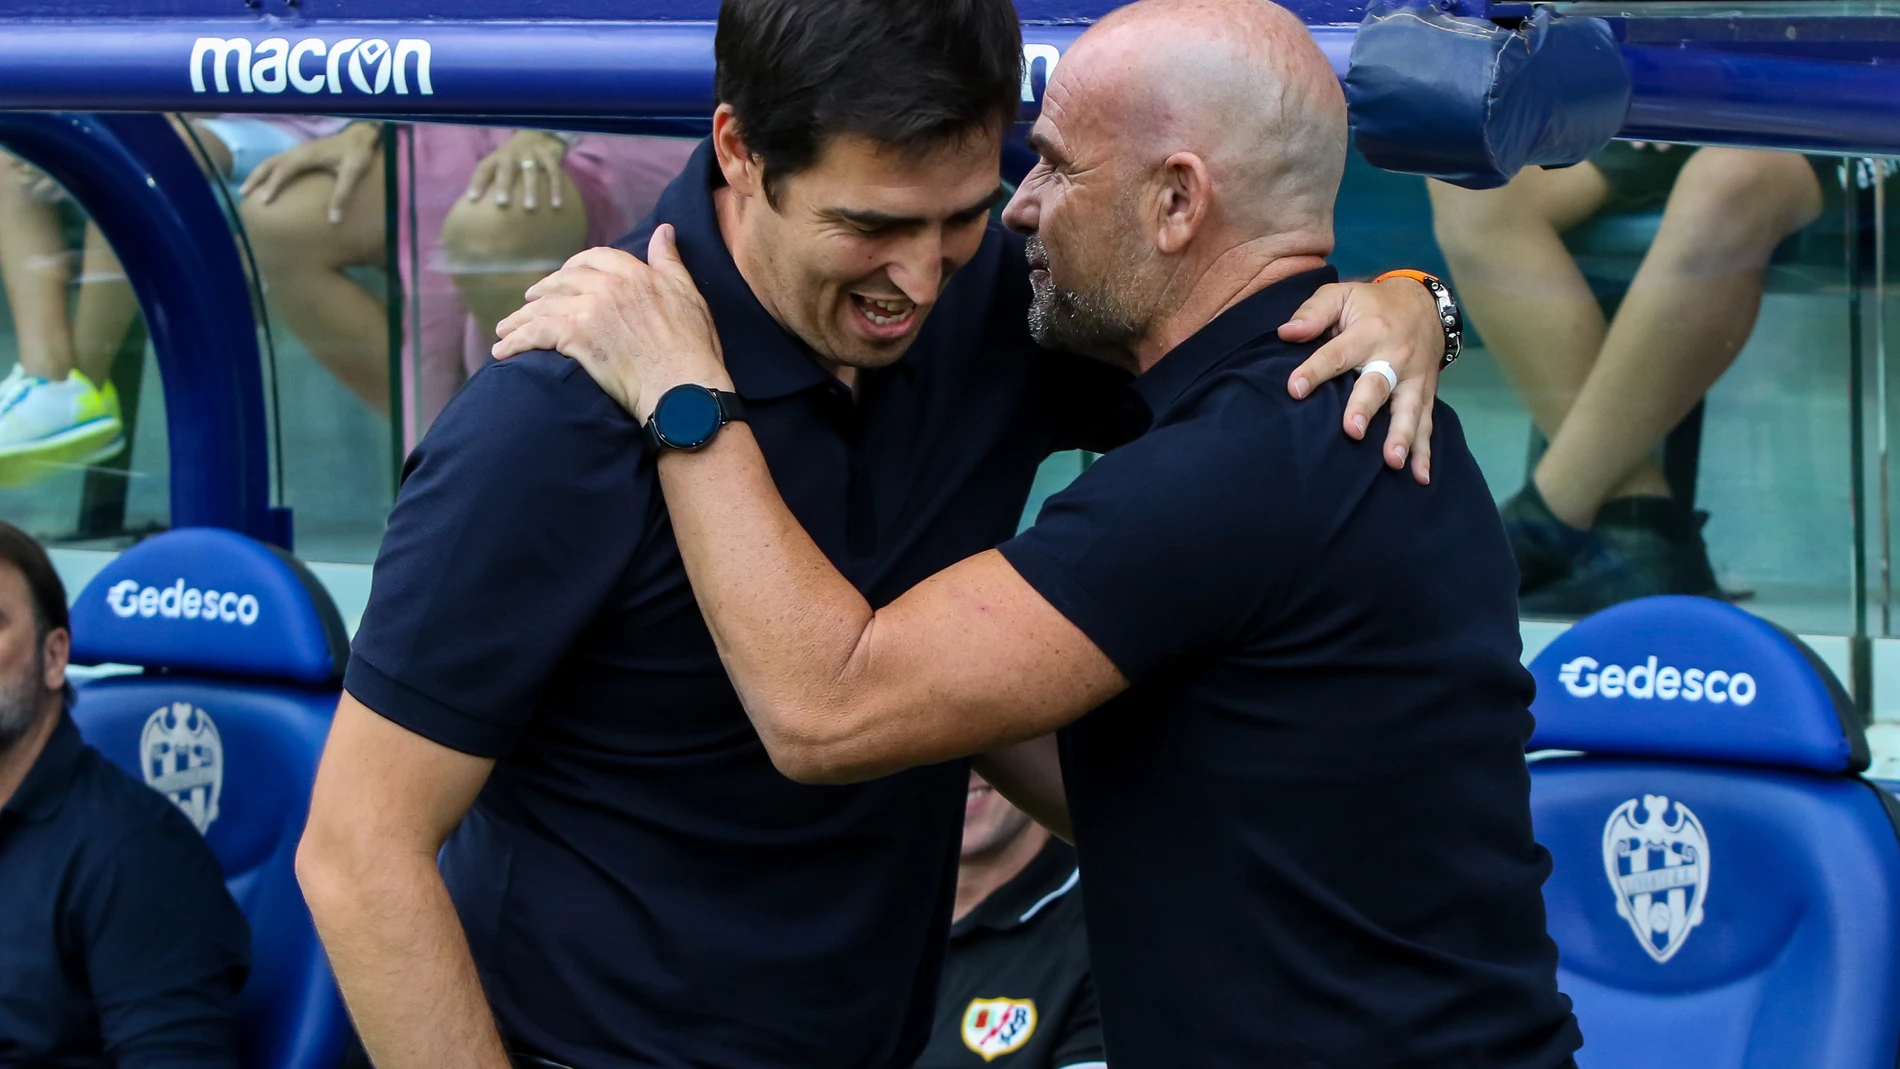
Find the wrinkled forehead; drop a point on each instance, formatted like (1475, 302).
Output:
(1103, 91)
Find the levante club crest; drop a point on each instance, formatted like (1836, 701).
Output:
(183, 759)
(993, 1027)
(1658, 866)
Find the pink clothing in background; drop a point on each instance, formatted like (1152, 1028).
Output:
(302, 127)
(619, 177)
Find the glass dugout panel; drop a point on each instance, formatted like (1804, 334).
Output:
(483, 213)
(83, 448)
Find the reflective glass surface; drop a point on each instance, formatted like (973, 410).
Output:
(83, 457)
(1683, 350)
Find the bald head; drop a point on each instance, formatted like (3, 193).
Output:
(1192, 151)
(1240, 83)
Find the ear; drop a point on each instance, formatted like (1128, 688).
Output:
(58, 651)
(1182, 201)
(741, 168)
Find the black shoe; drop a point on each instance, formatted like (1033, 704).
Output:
(1645, 546)
(1546, 547)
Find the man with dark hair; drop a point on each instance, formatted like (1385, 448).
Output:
(1292, 756)
(119, 945)
(627, 880)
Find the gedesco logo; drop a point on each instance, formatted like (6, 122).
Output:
(178, 602)
(1583, 678)
(312, 65)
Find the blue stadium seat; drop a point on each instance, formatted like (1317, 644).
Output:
(1725, 883)
(242, 652)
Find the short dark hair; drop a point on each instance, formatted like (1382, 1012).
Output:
(42, 583)
(913, 74)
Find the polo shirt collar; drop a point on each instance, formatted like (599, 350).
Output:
(766, 361)
(45, 784)
(1050, 875)
(1260, 314)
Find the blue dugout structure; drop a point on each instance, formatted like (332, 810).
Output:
(1821, 82)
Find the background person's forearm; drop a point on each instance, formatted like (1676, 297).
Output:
(402, 960)
(1029, 774)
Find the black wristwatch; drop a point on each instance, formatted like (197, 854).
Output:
(688, 417)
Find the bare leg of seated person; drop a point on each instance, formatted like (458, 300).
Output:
(49, 416)
(495, 251)
(1596, 525)
(302, 256)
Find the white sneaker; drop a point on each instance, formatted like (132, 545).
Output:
(46, 424)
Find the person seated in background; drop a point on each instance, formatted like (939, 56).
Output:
(1016, 990)
(1595, 523)
(119, 945)
(57, 405)
(496, 210)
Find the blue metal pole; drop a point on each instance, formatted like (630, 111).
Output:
(150, 200)
(464, 70)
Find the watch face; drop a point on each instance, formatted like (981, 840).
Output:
(687, 416)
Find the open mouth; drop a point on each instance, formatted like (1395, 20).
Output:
(885, 315)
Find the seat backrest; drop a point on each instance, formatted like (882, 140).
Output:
(1724, 882)
(242, 652)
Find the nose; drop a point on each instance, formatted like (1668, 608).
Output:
(918, 268)
(1023, 214)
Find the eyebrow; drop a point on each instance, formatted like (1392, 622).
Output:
(868, 218)
(1044, 147)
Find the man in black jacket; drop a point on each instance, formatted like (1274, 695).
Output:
(119, 945)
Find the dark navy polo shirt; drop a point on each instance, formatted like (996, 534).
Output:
(639, 885)
(1016, 988)
(1305, 827)
(119, 945)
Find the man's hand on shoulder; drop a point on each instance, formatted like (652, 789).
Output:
(638, 329)
(1395, 321)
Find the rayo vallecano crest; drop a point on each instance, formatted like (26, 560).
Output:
(1659, 869)
(183, 759)
(993, 1027)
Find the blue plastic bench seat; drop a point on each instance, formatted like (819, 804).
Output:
(1725, 883)
(242, 652)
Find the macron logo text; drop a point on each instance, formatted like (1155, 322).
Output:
(312, 65)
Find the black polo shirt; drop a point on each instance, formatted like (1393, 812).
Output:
(1016, 989)
(639, 885)
(119, 945)
(1305, 828)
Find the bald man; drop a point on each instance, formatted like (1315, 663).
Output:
(1294, 758)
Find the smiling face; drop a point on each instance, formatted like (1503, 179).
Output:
(852, 252)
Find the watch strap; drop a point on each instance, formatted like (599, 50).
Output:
(731, 407)
(1450, 318)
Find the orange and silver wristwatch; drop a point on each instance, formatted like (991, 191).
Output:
(1449, 317)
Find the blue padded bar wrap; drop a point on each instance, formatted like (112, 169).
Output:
(1695, 678)
(1472, 103)
(210, 600)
